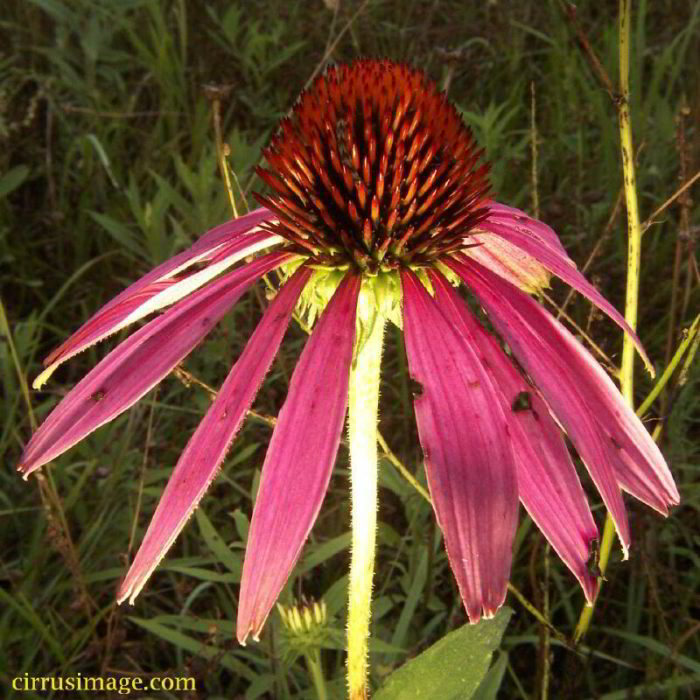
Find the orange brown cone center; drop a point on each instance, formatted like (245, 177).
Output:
(374, 167)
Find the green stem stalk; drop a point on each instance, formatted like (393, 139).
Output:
(634, 227)
(634, 251)
(362, 437)
(671, 367)
(313, 664)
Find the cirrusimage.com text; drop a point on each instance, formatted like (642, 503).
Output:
(124, 685)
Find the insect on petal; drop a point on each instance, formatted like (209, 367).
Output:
(578, 401)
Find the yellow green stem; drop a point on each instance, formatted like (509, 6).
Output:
(634, 228)
(402, 469)
(690, 335)
(221, 153)
(634, 250)
(605, 546)
(313, 664)
(687, 346)
(362, 438)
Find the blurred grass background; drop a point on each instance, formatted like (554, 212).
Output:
(108, 166)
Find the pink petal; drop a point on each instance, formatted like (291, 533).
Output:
(206, 449)
(502, 213)
(467, 448)
(172, 280)
(635, 477)
(548, 485)
(232, 229)
(139, 363)
(529, 235)
(299, 460)
(508, 261)
(638, 463)
(582, 401)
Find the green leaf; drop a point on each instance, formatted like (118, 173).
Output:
(203, 574)
(656, 647)
(489, 687)
(231, 560)
(25, 610)
(217, 655)
(13, 179)
(242, 524)
(122, 234)
(412, 599)
(317, 554)
(452, 668)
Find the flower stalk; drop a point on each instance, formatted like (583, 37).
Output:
(634, 228)
(313, 664)
(634, 252)
(362, 436)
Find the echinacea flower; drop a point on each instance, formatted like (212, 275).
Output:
(378, 208)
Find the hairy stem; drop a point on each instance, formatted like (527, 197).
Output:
(362, 436)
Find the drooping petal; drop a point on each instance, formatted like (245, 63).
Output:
(508, 261)
(467, 448)
(205, 451)
(548, 485)
(299, 460)
(174, 279)
(579, 398)
(232, 229)
(516, 227)
(502, 213)
(632, 442)
(139, 363)
(645, 484)
(627, 440)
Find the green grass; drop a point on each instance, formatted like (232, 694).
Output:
(108, 166)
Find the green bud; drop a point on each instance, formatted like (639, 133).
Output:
(305, 627)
